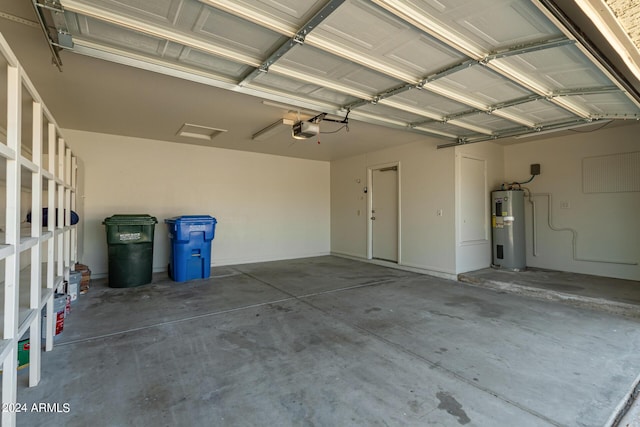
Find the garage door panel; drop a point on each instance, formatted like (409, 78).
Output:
(315, 62)
(488, 24)
(482, 85)
(423, 56)
(449, 128)
(487, 121)
(430, 101)
(237, 33)
(540, 111)
(504, 24)
(162, 11)
(193, 57)
(606, 104)
(113, 35)
(372, 55)
(393, 113)
(383, 39)
(283, 84)
(287, 15)
(558, 68)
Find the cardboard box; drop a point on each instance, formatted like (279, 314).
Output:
(86, 277)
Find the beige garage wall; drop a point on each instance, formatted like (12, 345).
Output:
(427, 241)
(607, 224)
(267, 207)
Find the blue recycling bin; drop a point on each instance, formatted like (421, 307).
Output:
(190, 237)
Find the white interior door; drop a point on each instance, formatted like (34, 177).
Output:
(473, 200)
(384, 213)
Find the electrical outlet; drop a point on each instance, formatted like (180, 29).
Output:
(565, 205)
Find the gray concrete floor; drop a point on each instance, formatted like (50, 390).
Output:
(601, 293)
(332, 342)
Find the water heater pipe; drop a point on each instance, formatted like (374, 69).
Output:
(574, 238)
(534, 236)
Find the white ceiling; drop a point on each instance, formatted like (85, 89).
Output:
(444, 71)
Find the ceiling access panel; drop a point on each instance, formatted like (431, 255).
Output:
(297, 89)
(324, 66)
(477, 27)
(390, 113)
(283, 16)
(364, 33)
(541, 111)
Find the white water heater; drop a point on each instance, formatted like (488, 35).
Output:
(507, 224)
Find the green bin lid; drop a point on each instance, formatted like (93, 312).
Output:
(130, 220)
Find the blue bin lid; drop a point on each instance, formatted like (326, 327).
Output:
(191, 219)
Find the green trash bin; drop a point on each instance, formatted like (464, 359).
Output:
(130, 242)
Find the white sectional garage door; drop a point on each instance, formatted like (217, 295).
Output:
(464, 71)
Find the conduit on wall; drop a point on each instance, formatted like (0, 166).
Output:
(574, 237)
